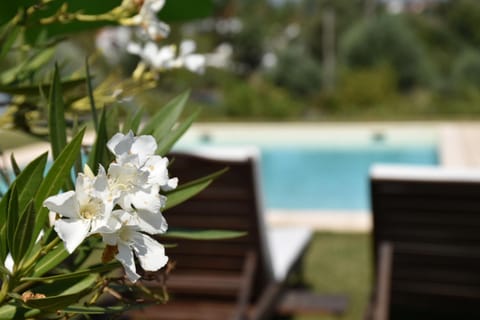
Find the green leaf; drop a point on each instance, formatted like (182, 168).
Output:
(13, 216)
(23, 236)
(133, 122)
(9, 35)
(112, 120)
(61, 294)
(99, 152)
(27, 67)
(56, 177)
(164, 120)
(190, 189)
(56, 116)
(11, 311)
(88, 81)
(15, 167)
(77, 274)
(166, 143)
(29, 179)
(50, 260)
(203, 234)
(183, 10)
(97, 309)
(3, 224)
(35, 90)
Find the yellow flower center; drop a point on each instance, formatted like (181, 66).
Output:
(91, 209)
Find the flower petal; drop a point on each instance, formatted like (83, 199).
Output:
(120, 143)
(150, 201)
(64, 204)
(9, 262)
(150, 253)
(157, 170)
(72, 232)
(150, 222)
(144, 146)
(125, 256)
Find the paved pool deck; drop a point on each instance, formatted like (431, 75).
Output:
(459, 146)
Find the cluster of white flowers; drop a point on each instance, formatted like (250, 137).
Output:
(161, 58)
(145, 42)
(147, 19)
(123, 204)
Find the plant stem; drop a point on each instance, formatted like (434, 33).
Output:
(41, 253)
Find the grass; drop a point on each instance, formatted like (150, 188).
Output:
(340, 263)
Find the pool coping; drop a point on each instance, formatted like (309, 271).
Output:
(457, 141)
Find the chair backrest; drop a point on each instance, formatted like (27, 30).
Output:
(431, 216)
(231, 202)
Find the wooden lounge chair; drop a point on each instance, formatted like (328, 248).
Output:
(243, 278)
(426, 236)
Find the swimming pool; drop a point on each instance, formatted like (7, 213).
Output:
(321, 169)
(329, 178)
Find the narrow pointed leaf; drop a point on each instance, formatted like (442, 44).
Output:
(29, 179)
(50, 260)
(56, 116)
(3, 224)
(203, 234)
(13, 216)
(80, 273)
(9, 36)
(133, 122)
(164, 120)
(98, 310)
(61, 294)
(13, 311)
(166, 143)
(93, 107)
(190, 189)
(15, 167)
(23, 236)
(55, 179)
(37, 89)
(99, 152)
(112, 121)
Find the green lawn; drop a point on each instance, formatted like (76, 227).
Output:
(340, 263)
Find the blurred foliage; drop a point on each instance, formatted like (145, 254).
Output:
(387, 40)
(422, 63)
(297, 72)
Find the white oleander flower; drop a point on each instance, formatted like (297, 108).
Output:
(147, 19)
(138, 153)
(161, 58)
(84, 210)
(129, 149)
(157, 58)
(187, 58)
(123, 232)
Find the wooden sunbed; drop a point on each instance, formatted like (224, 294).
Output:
(426, 239)
(250, 277)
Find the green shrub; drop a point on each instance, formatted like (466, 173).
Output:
(366, 87)
(466, 70)
(258, 100)
(297, 72)
(387, 40)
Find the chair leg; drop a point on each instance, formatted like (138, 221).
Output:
(382, 302)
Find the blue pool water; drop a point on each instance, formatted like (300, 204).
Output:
(323, 178)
